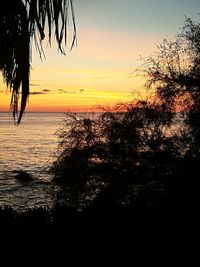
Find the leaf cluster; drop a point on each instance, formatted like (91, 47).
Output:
(21, 23)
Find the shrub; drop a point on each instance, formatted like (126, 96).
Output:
(114, 150)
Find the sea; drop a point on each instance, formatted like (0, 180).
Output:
(30, 147)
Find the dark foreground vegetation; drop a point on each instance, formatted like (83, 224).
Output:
(100, 235)
(129, 179)
(129, 190)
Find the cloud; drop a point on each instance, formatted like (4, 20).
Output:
(62, 91)
(34, 84)
(37, 93)
(44, 91)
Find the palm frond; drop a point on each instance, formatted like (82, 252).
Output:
(21, 23)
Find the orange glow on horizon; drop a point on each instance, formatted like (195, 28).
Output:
(95, 74)
(78, 90)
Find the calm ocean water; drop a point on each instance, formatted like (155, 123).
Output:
(30, 147)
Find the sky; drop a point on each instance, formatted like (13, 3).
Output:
(101, 70)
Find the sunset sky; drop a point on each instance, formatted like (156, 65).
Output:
(99, 71)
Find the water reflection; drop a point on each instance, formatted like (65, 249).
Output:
(29, 147)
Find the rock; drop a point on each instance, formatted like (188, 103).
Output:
(23, 176)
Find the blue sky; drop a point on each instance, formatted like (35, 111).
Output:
(124, 25)
(161, 16)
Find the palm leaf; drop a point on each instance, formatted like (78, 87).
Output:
(21, 23)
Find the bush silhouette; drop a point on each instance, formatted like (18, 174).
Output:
(107, 155)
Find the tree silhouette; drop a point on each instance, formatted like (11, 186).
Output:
(21, 23)
(175, 69)
(105, 155)
(144, 142)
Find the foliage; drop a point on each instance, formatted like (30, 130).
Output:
(114, 151)
(148, 142)
(21, 22)
(174, 69)
(174, 72)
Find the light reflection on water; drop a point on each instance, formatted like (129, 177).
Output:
(30, 147)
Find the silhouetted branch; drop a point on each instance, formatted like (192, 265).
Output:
(21, 22)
